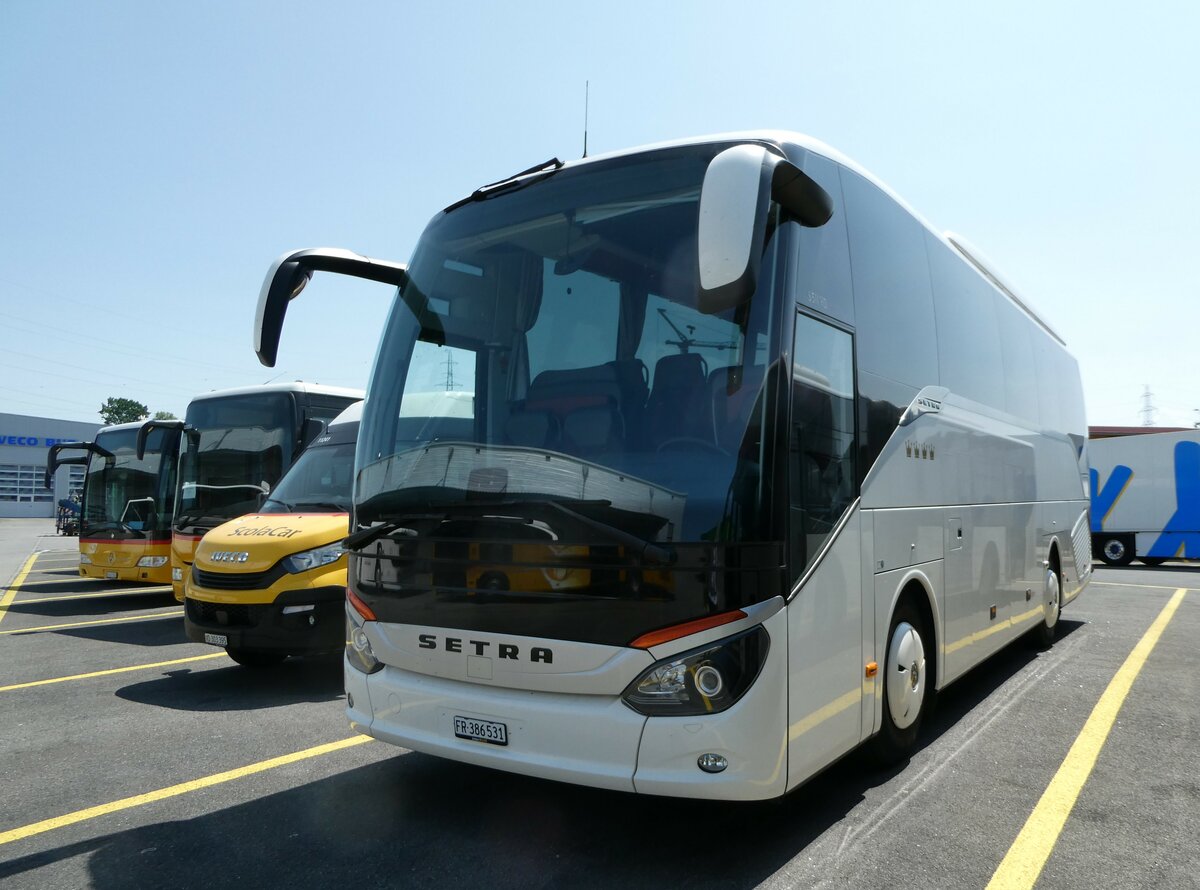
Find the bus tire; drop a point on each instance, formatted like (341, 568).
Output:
(906, 691)
(1047, 629)
(1152, 560)
(1116, 551)
(252, 658)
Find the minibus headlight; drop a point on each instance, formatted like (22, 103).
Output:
(153, 562)
(312, 559)
(358, 647)
(84, 559)
(706, 680)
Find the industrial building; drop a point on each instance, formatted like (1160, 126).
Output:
(24, 446)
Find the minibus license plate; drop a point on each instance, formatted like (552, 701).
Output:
(110, 576)
(216, 639)
(481, 730)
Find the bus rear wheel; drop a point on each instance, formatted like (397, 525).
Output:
(906, 689)
(251, 658)
(1152, 560)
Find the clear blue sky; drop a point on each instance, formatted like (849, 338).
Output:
(155, 158)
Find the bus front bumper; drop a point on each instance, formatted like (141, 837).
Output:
(287, 625)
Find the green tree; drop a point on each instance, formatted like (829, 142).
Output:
(164, 415)
(117, 410)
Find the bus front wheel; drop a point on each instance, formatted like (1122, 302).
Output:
(906, 689)
(1047, 629)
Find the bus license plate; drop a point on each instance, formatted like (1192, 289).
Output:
(481, 730)
(216, 639)
(110, 576)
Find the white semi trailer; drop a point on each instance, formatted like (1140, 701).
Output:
(1146, 497)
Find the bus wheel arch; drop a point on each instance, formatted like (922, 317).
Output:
(910, 671)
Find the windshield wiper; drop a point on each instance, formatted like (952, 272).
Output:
(330, 505)
(648, 550)
(365, 536)
(510, 183)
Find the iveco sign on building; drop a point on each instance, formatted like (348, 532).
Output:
(24, 445)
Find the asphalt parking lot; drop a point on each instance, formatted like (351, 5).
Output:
(133, 758)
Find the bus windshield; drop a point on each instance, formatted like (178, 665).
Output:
(233, 453)
(124, 498)
(318, 482)
(547, 375)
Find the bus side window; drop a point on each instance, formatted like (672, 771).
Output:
(820, 438)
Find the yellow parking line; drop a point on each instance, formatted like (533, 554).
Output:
(1141, 586)
(11, 594)
(138, 800)
(123, 592)
(124, 670)
(69, 580)
(1025, 859)
(28, 630)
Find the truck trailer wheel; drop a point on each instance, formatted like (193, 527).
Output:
(1116, 551)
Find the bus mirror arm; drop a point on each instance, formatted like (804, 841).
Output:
(53, 461)
(289, 275)
(151, 425)
(735, 199)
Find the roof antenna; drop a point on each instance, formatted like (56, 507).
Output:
(586, 85)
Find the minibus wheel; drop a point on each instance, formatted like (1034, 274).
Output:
(252, 658)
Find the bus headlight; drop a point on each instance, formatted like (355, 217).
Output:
(153, 562)
(84, 559)
(358, 646)
(313, 559)
(702, 681)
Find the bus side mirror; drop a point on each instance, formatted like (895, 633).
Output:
(53, 461)
(151, 425)
(738, 188)
(312, 428)
(292, 271)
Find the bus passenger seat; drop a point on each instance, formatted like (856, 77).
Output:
(677, 405)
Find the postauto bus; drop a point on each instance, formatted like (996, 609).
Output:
(273, 583)
(125, 521)
(821, 459)
(235, 445)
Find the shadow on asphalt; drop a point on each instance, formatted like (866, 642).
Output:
(94, 606)
(237, 688)
(150, 633)
(415, 820)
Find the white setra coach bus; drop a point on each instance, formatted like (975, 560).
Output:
(735, 462)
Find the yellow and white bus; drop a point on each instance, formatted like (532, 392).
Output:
(821, 459)
(127, 503)
(235, 446)
(273, 583)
